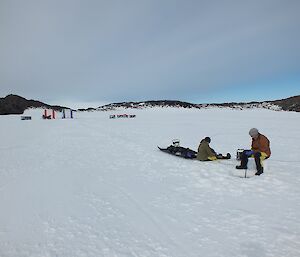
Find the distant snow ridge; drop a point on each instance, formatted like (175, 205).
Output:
(14, 104)
(243, 106)
(179, 104)
(147, 104)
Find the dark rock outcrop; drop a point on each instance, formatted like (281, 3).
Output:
(289, 104)
(14, 104)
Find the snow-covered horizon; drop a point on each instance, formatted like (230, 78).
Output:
(94, 186)
(75, 105)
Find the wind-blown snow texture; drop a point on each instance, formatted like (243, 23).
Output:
(95, 186)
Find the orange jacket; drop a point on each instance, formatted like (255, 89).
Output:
(261, 144)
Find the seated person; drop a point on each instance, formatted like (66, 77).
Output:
(205, 153)
(260, 150)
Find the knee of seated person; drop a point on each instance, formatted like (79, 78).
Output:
(244, 153)
(257, 155)
(264, 156)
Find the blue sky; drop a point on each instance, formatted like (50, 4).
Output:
(134, 50)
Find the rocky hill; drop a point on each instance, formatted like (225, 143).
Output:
(289, 104)
(147, 104)
(14, 104)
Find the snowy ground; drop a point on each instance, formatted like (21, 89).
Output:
(94, 186)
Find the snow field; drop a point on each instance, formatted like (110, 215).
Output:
(93, 186)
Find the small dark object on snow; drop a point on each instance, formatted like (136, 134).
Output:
(239, 167)
(223, 157)
(47, 117)
(25, 117)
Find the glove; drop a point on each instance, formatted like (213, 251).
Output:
(249, 152)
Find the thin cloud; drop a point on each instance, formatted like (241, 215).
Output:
(139, 50)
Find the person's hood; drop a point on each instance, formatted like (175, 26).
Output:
(204, 142)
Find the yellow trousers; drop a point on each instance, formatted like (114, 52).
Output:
(212, 158)
(263, 156)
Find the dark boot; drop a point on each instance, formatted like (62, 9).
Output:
(259, 172)
(259, 168)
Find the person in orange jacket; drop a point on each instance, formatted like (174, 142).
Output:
(260, 150)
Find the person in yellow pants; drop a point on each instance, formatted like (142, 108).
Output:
(260, 150)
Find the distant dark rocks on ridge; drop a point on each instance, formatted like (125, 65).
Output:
(14, 104)
(289, 104)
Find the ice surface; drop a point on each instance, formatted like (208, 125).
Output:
(95, 186)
